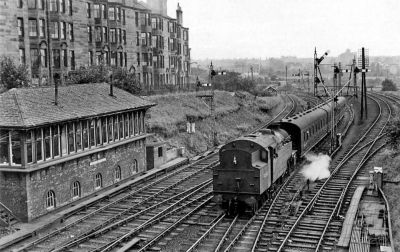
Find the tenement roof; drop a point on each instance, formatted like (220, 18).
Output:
(30, 107)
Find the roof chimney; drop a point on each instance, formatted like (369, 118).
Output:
(111, 85)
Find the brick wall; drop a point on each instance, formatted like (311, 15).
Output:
(13, 193)
(60, 178)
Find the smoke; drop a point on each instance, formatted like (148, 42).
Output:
(318, 168)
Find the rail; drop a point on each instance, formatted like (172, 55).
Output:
(316, 196)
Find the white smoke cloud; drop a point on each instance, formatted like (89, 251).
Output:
(318, 168)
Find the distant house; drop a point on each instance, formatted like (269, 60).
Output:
(271, 91)
(52, 155)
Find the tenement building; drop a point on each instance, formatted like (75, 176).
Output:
(55, 37)
(52, 155)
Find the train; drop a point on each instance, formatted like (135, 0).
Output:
(252, 166)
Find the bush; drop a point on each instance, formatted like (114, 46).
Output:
(393, 130)
(121, 78)
(13, 76)
(388, 85)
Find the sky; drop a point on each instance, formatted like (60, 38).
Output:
(274, 28)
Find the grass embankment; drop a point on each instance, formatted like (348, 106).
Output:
(234, 116)
(390, 161)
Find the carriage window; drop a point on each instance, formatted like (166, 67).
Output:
(264, 156)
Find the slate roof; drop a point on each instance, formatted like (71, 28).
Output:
(30, 107)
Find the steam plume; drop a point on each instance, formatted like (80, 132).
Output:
(317, 168)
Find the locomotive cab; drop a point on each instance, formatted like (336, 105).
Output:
(249, 166)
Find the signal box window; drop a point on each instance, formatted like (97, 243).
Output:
(160, 152)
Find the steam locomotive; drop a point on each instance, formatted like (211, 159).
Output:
(253, 165)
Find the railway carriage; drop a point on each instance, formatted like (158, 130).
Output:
(308, 127)
(251, 166)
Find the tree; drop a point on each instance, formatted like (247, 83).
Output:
(388, 85)
(13, 76)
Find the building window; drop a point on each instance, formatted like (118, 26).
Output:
(15, 148)
(50, 200)
(135, 166)
(62, 6)
(4, 147)
(121, 126)
(110, 129)
(112, 35)
(143, 37)
(71, 32)
(53, 5)
(124, 37)
(56, 58)
(105, 34)
(160, 152)
(121, 59)
(20, 3)
(39, 144)
(47, 143)
(137, 18)
(118, 173)
(113, 58)
(78, 136)
(126, 59)
(85, 134)
(42, 28)
(76, 190)
(54, 30)
(104, 11)
(69, 7)
(104, 129)
(89, 30)
(64, 57)
(154, 23)
(90, 58)
(29, 149)
(92, 133)
(32, 27)
(20, 24)
(63, 29)
(98, 132)
(56, 141)
(116, 128)
(111, 13)
(131, 124)
(119, 35)
(31, 4)
(34, 58)
(98, 181)
(40, 4)
(88, 10)
(72, 59)
(123, 17)
(71, 134)
(98, 34)
(118, 13)
(97, 11)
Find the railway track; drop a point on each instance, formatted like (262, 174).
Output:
(163, 239)
(107, 214)
(316, 227)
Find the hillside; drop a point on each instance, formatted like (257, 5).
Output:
(234, 116)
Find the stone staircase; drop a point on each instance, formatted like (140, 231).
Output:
(6, 216)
